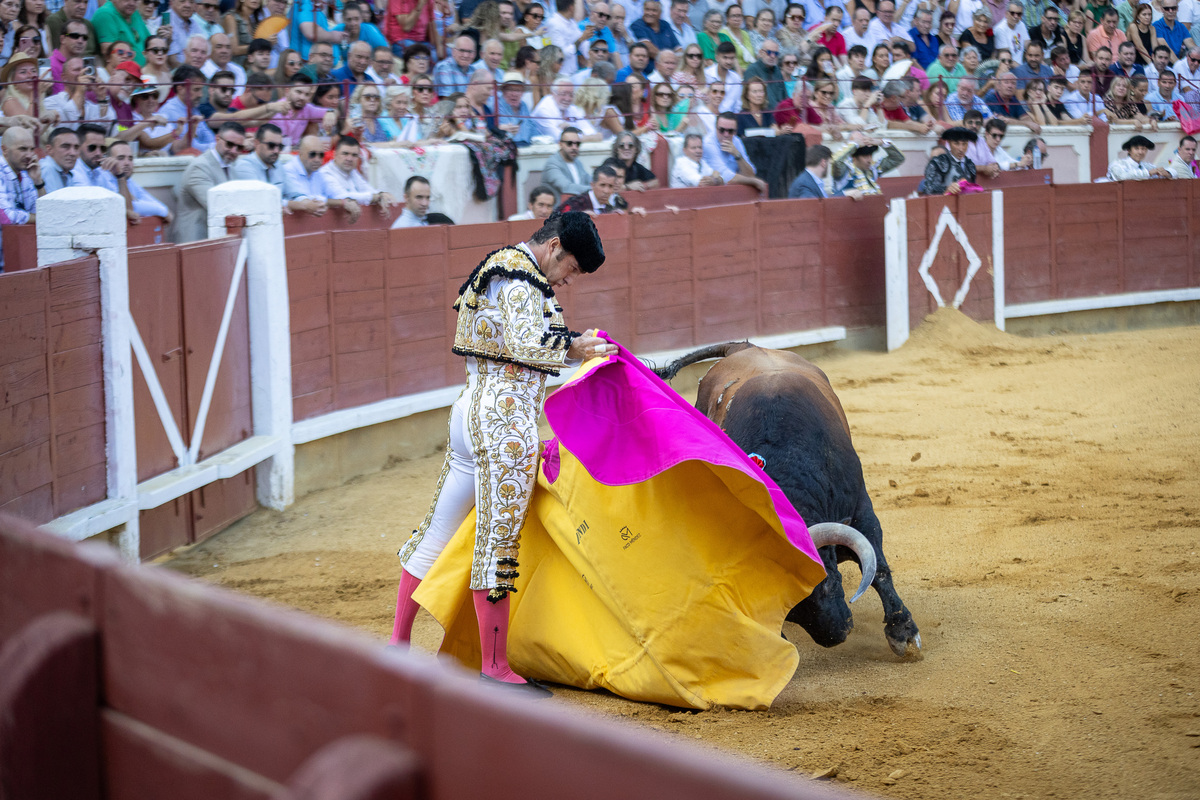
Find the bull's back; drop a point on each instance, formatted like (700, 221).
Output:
(728, 377)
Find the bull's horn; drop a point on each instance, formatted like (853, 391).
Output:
(827, 533)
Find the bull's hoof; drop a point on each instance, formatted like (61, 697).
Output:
(907, 648)
(902, 636)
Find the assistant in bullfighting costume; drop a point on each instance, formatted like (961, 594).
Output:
(511, 332)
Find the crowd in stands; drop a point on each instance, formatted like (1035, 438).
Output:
(153, 77)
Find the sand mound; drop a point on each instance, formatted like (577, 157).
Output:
(950, 329)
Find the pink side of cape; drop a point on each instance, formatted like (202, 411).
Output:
(626, 425)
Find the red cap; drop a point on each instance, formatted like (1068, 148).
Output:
(131, 67)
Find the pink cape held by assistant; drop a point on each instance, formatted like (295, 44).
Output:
(658, 561)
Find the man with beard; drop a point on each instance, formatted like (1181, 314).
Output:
(58, 167)
(118, 177)
(300, 118)
(263, 165)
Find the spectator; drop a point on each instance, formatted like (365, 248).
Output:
(370, 124)
(987, 153)
(542, 201)
(72, 10)
(884, 28)
(926, 46)
(263, 165)
(1047, 32)
(811, 182)
(856, 64)
(600, 15)
(972, 121)
(491, 59)
(562, 171)
(302, 178)
(221, 60)
(598, 55)
(511, 114)
(793, 39)
(398, 103)
(156, 71)
(409, 22)
(667, 114)
(258, 56)
(1161, 61)
(652, 31)
(383, 66)
(754, 114)
(19, 74)
(1003, 103)
(479, 90)
(1011, 34)
(593, 99)
(766, 68)
(454, 74)
(1162, 99)
(726, 154)
(682, 27)
(195, 52)
(1183, 163)
(1060, 63)
(1126, 63)
(345, 182)
(1120, 105)
(1187, 69)
(946, 173)
(979, 34)
(1133, 166)
(564, 33)
(1107, 35)
(311, 24)
(20, 179)
(184, 24)
(71, 105)
(859, 106)
(881, 59)
(597, 199)
(416, 204)
(1036, 100)
(1170, 31)
(58, 167)
(626, 150)
(357, 28)
(149, 132)
(855, 172)
(118, 21)
(826, 35)
(639, 61)
(947, 67)
(209, 169)
(964, 99)
(859, 33)
(423, 121)
(894, 113)
(690, 169)
(320, 63)
(184, 108)
(725, 71)
(945, 32)
(1033, 67)
(117, 177)
(240, 25)
(289, 67)
(557, 111)
(358, 59)
(301, 118)
(620, 30)
(72, 44)
(1082, 103)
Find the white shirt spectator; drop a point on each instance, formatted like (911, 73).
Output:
(144, 203)
(1185, 73)
(92, 177)
(882, 33)
(733, 88)
(685, 33)
(862, 116)
(341, 185)
(1012, 38)
(182, 31)
(687, 173)
(1077, 105)
(300, 184)
(965, 14)
(68, 112)
(867, 40)
(408, 219)
(550, 120)
(239, 75)
(563, 33)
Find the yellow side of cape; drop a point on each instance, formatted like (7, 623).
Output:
(672, 590)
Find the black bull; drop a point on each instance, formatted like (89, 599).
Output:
(782, 407)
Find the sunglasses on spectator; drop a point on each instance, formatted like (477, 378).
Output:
(790, 17)
(1017, 14)
(693, 55)
(729, 131)
(627, 146)
(569, 144)
(535, 15)
(601, 15)
(75, 35)
(662, 94)
(124, 53)
(422, 88)
(370, 97)
(770, 52)
(995, 135)
(209, 5)
(273, 145)
(827, 93)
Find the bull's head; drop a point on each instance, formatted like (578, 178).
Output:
(824, 614)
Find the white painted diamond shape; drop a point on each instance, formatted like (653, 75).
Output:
(947, 220)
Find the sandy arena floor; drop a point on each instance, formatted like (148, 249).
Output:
(1041, 512)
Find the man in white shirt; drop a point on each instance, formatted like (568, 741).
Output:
(416, 204)
(884, 28)
(860, 104)
(556, 112)
(564, 33)
(58, 167)
(347, 186)
(689, 170)
(724, 70)
(1081, 103)
(680, 23)
(542, 201)
(664, 68)
(220, 61)
(860, 31)
(1161, 60)
(1187, 70)
(1011, 33)
(184, 25)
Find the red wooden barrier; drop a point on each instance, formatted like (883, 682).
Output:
(199, 693)
(52, 457)
(20, 241)
(907, 184)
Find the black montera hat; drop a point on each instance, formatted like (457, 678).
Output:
(580, 238)
(865, 150)
(959, 134)
(1136, 141)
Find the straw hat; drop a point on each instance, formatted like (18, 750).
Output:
(17, 60)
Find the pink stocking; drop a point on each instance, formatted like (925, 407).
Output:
(493, 637)
(406, 608)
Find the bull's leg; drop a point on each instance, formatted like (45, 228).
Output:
(898, 625)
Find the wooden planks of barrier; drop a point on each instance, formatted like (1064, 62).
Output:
(194, 692)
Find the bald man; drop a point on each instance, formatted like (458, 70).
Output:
(20, 180)
(357, 60)
(220, 60)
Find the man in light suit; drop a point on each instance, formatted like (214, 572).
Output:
(562, 171)
(811, 182)
(211, 168)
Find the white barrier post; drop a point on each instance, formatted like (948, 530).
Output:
(270, 325)
(76, 222)
(998, 301)
(895, 231)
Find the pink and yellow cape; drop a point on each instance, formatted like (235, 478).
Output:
(657, 560)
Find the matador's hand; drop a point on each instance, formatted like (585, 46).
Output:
(590, 346)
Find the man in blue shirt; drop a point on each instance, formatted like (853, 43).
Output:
(1034, 67)
(357, 61)
(925, 44)
(454, 73)
(118, 178)
(639, 60)
(1173, 34)
(357, 30)
(655, 33)
(725, 153)
(512, 113)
